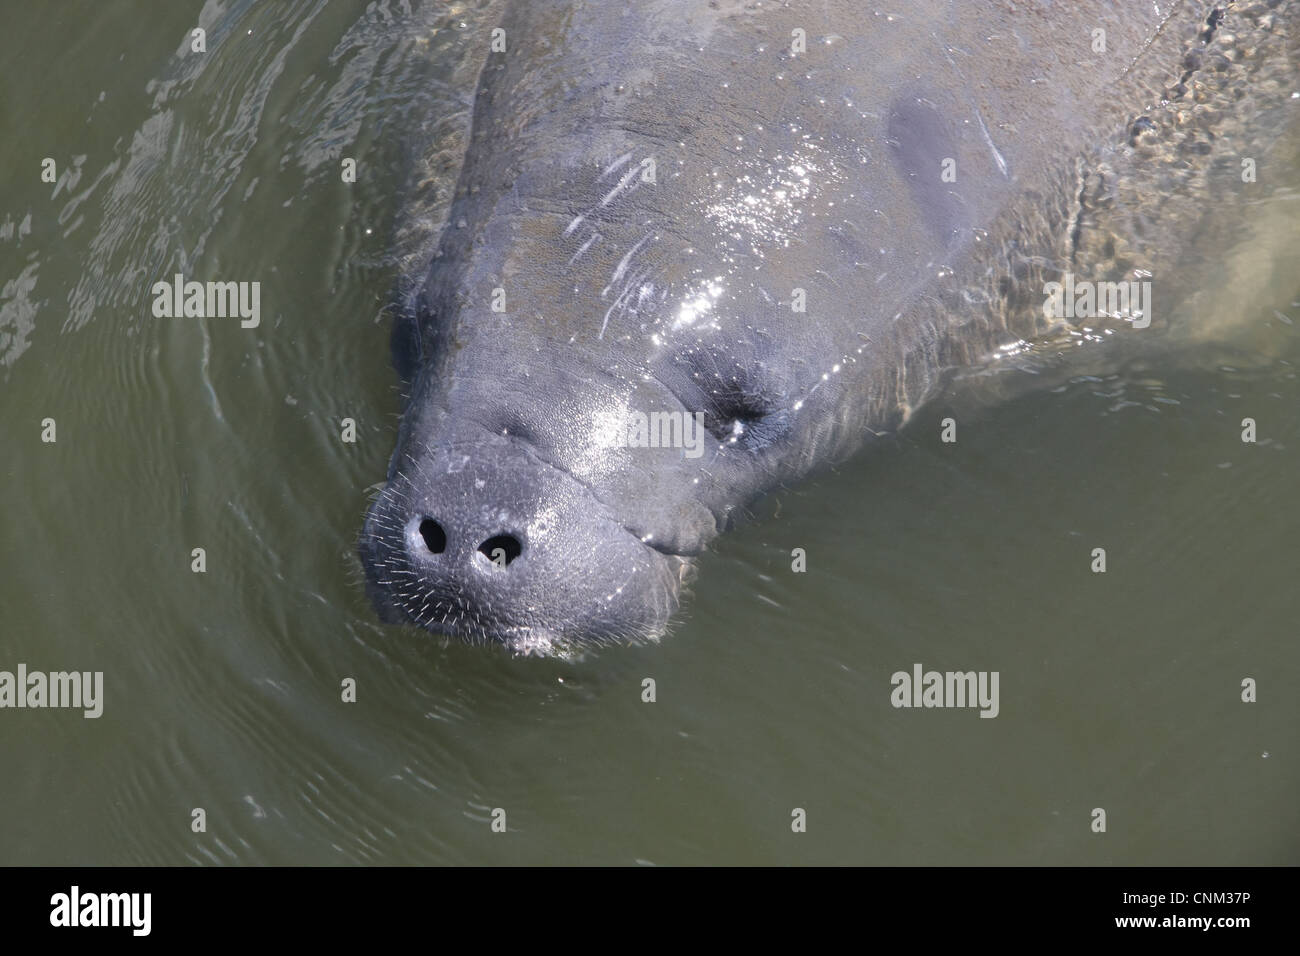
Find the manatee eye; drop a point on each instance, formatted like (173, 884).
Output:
(741, 399)
(740, 409)
(734, 415)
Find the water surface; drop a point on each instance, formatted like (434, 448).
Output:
(222, 689)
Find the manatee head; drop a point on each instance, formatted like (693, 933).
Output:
(545, 493)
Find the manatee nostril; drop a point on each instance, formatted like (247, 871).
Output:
(501, 549)
(435, 539)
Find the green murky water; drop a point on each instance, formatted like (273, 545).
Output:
(1119, 691)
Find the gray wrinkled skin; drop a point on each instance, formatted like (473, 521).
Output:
(772, 171)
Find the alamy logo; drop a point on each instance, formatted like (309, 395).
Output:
(946, 689)
(1093, 300)
(677, 429)
(75, 689)
(102, 909)
(211, 300)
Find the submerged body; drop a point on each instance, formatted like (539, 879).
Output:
(781, 224)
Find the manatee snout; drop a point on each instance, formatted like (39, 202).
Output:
(478, 538)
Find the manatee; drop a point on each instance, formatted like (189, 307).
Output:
(699, 250)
